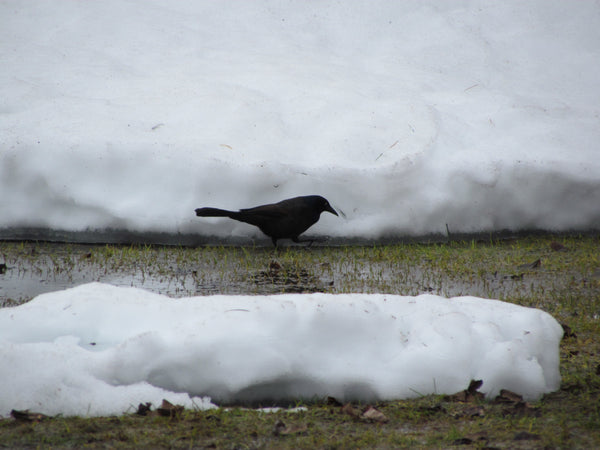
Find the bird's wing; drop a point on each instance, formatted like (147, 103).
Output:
(267, 211)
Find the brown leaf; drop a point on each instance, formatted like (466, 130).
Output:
(471, 394)
(27, 416)
(506, 396)
(474, 386)
(168, 409)
(516, 404)
(143, 409)
(372, 414)
(369, 414)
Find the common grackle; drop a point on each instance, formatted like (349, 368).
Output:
(284, 220)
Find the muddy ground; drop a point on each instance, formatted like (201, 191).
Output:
(559, 274)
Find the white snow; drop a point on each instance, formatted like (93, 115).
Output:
(98, 349)
(406, 115)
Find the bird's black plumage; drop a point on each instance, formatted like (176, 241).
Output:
(284, 220)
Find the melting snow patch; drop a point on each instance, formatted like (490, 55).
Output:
(98, 349)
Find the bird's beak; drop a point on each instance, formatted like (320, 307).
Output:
(328, 208)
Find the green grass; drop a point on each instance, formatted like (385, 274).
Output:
(566, 283)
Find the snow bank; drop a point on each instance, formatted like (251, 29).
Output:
(406, 115)
(99, 349)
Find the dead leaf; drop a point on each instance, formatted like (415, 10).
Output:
(168, 409)
(474, 386)
(516, 405)
(369, 414)
(27, 416)
(471, 394)
(372, 414)
(144, 409)
(506, 396)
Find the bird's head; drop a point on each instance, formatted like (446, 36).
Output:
(325, 206)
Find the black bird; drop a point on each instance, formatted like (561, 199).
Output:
(284, 220)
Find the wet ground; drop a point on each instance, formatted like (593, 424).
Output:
(560, 274)
(539, 271)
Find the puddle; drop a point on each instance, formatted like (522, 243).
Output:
(31, 269)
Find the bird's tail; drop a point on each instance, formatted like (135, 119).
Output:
(215, 212)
